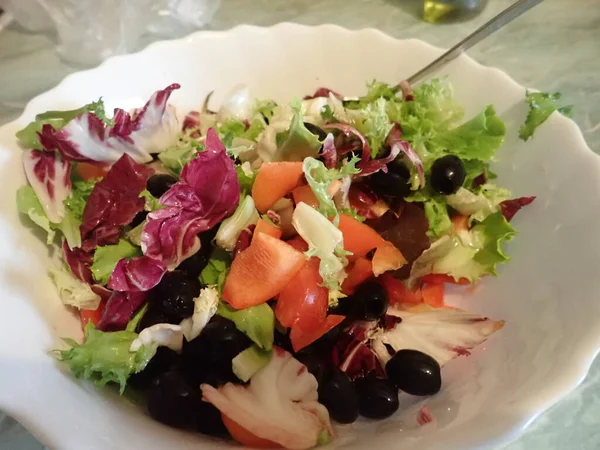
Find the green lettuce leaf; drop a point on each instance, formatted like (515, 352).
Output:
(80, 193)
(319, 178)
(151, 202)
(250, 361)
(58, 119)
(470, 254)
(326, 242)
(375, 125)
(246, 180)
(230, 229)
(174, 158)
(216, 270)
(479, 204)
(256, 322)
(492, 233)
(375, 91)
(105, 357)
(541, 106)
(106, 258)
(29, 204)
(479, 138)
(234, 128)
(297, 142)
(435, 209)
(72, 291)
(266, 108)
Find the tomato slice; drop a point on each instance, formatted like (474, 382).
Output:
(88, 171)
(261, 271)
(245, 437)
(359, 238)
(360, 271)
(89, 315)
(397, 292)
(441, 278)
(433, 295)
(303, 302)
(301, 338)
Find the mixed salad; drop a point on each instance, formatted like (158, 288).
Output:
(261, 270)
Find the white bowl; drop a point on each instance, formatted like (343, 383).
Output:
(547, 294)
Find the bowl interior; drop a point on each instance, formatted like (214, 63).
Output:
(547, 294)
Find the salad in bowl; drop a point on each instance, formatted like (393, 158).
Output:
(265, 270)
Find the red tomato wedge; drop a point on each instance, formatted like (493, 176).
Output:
(262, 226)
(460, 223)
(89, 315)
(88, 171)
(298, 243)
(301, 338)
(273, 181)
(261, 271)
(360, 271)
(303, 302)
(397, 292)
(433, 295)
(245, 437)
(441, 278)
(359, 238)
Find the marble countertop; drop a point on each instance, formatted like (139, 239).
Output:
(554, 47)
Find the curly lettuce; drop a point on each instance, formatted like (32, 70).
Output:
(541, 106)
(104, 357)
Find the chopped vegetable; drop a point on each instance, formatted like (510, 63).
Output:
(72, 291)
(105, 357)
(261, 271)
(274, 181)
(265, 226)
(541, 106)
(256, 322)
(205, 306)
(359, 239)
(106, 258)
(250, 361)
(229, 230)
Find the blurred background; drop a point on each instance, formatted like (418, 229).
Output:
(554, 47)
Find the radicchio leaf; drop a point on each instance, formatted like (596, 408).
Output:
(50, 177)
(323, 92)
(352, 355)
(279, 405)
(114, 202)
(351, 131)
(375, 165)
(440, 333)
(328, 152)
(191, 121)
(208, 192)
(119, 310)
(136, 274)
(152, 129)
(395, 141)
(407, 231)
(511, 207)
(79, 262)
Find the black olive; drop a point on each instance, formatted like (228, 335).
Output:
(447, 174)
(317, 131)
(283, 340)
(163, 361)
(338, 395)
(377, 398)
(194, 265)
(138, 219)
(174, 295)
(414, 372)
(315, 365)
(369, 302)
(394, 183)
(160, 183)
(207, 358)
(173, 401)
(153, 316)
